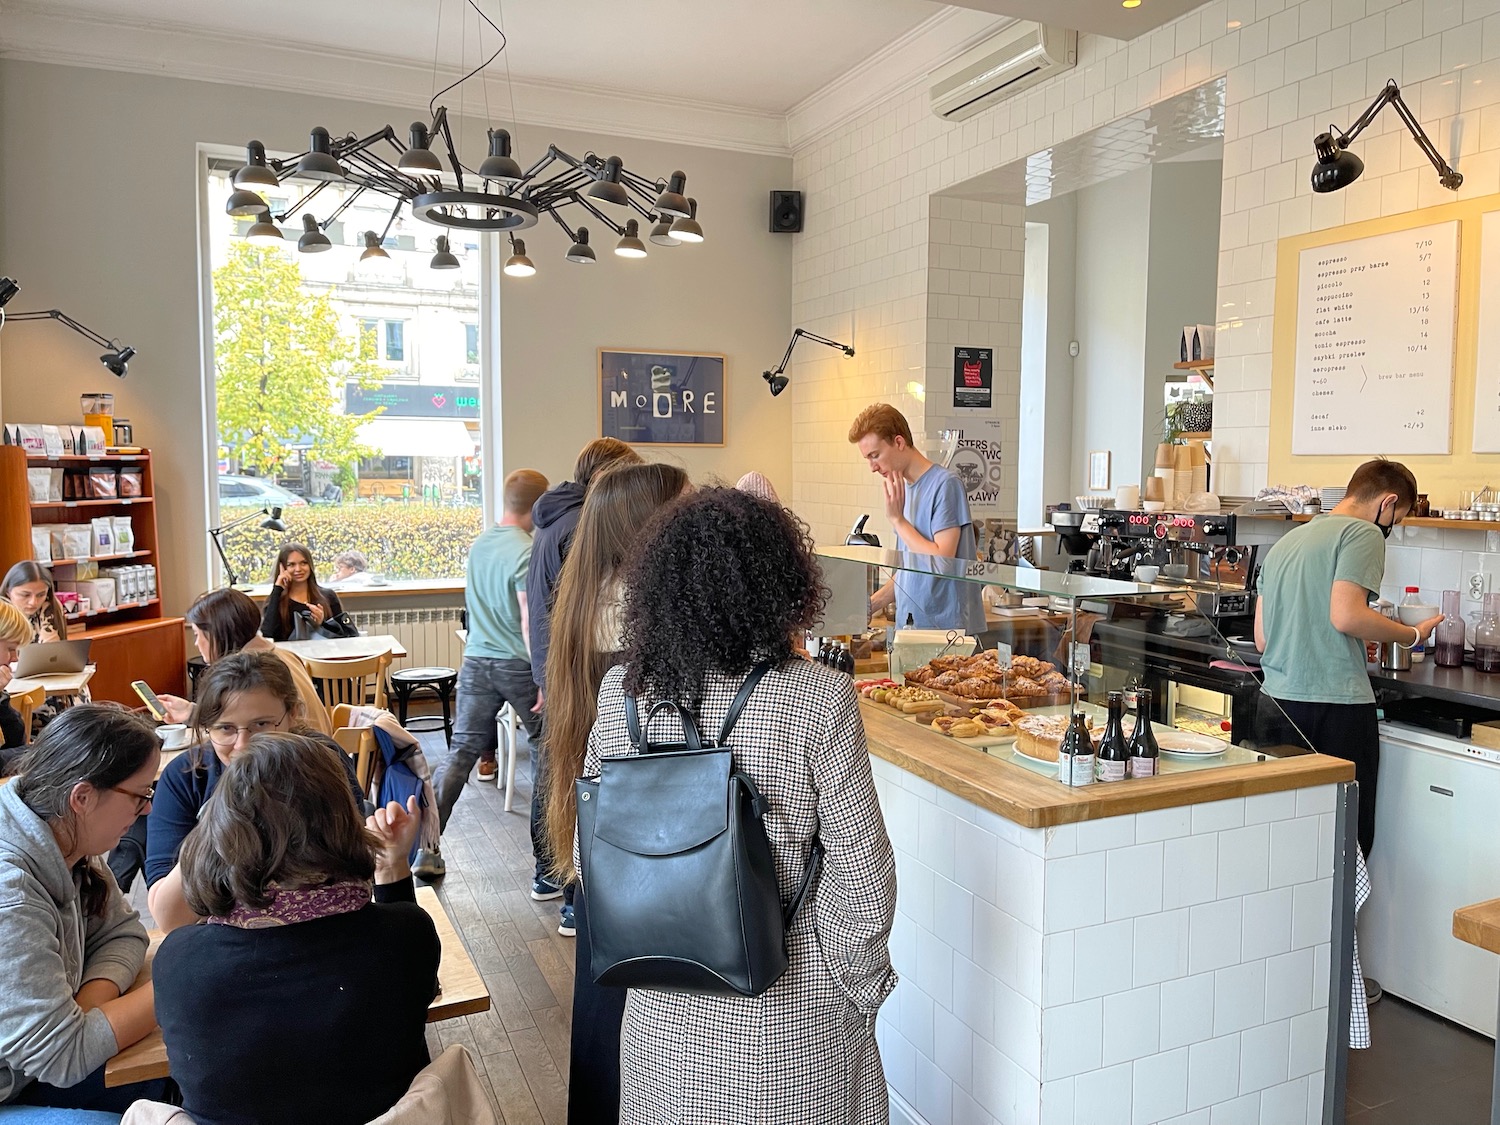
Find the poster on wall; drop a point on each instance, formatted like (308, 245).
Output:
(973, 377)
(661, 398)
(1487, 359)
(977, 463)
(1374, 351)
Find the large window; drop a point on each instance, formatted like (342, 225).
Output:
(346, 391)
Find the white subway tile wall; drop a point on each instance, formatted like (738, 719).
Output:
(877, 265)
(1208, 989)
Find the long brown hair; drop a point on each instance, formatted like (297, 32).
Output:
(26, 572)
(282, 813)
(620, 502)
(228, 618)
(315, 594)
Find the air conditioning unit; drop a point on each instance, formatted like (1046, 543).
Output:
(1002, 66)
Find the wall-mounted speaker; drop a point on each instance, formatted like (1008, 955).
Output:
(786, 212)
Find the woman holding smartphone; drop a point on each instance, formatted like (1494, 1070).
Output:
(296, 593)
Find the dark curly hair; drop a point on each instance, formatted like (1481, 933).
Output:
(721, 581)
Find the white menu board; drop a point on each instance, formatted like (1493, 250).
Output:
(1487, 361)
(1375, 331)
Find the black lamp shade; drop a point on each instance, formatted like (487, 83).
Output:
(443, 259)
(518, 264)
(373, 249)
(687, 229)
(419, 159)
(118, 361)
(608, 188)
(661, 234)
(318, 162)
(1337, 167)
(313, 240)
(630, 244)
(499, 165)
(581, 252)
(264, 232)
(777, 382)
(256, 173)
(273, 521)
(244, 203)
(672, 202)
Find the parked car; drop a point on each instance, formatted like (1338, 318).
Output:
(254, 492)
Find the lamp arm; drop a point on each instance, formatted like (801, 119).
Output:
(600, 215)
(847, 349)
(1391, 91)
(64, 318)
(1449, 177)
(214, 537)
(301, 203)
(792, 343)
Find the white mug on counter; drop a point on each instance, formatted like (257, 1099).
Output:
(174, 736)
(1128, 497)
(1146, 574)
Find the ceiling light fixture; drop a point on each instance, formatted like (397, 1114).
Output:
(313, 240)
(1337, 167)
(776, 378)
(581, 252)
(1130, 3)
(116, 359)
(444, 259)
(518, 264)
(426, 177)
(630, 245)
(373, 249)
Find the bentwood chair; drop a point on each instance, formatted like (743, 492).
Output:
(357, 742)
(26, 704)
(350, 681)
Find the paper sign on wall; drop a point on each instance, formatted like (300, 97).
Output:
(973, 377)
(1375, 333)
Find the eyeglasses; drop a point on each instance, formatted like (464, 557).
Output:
(227, 734)
(142, 800)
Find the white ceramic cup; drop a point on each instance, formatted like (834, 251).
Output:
(1128, 497)
(174, 736)
(1146, 573)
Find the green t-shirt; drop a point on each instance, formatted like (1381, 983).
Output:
(496, 574)
(1306, 658)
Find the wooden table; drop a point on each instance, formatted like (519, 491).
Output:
(63, 683)
(1480, 925)
(344, 648)
(462, 992)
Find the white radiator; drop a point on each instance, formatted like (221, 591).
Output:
(427, 635)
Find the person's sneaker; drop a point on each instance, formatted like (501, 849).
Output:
(488, 771)
(565, 926)
(429, 865)
(541, 890)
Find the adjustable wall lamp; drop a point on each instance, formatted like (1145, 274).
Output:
(116, 358)
(776, 379)
(1337, 167)
(270, 520)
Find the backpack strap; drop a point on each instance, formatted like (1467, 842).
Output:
(742, 697)
(814, 865)
(639, 737)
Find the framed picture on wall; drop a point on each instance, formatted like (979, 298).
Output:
(1099, 470)
(662, 398)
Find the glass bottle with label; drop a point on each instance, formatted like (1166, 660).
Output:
(1144, 754)
(1114, 751)
(845, 659)
(1075, 758)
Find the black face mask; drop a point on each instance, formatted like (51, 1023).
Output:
(1385, 528)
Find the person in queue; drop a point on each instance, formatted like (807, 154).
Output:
(496, 668)
(1313, 618)
(929, 509)
(28, 587)
(15, 631)
(716, 556)
(586, 641)
(240, 696)
(301, 999)
(295, 593)
(758, 484)
(225, 622)
(73, 945)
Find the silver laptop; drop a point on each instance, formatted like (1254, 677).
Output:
(52, 658)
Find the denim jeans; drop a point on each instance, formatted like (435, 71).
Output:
(63, 1103)
(484, 687)
(129, 855)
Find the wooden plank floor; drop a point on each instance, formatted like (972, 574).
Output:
(520, 1046)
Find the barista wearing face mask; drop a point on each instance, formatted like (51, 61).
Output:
(1314, 617)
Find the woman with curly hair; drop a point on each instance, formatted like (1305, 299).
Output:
(719, 585)
(585, 628)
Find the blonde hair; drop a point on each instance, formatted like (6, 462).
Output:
(14, 628)
(884, 421)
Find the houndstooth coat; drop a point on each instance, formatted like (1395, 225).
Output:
(804, 1050)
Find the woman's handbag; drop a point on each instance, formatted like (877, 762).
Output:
(338, 626)
(681, 885)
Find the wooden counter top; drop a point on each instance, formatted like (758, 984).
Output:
(1479, 924)
(1035, 801)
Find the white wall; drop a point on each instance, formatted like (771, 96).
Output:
(1110, 323)
(99, 183)
(1291, 68)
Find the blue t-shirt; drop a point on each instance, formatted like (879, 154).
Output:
(936, 501)
(496, 575)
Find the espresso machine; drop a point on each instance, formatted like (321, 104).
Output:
(1194, 551)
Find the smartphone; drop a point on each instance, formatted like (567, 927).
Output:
(148, 697)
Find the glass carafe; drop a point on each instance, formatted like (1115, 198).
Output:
(1448, 637)
(1487, 636)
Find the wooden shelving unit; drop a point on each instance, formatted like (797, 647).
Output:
(1201, 367)
(135, 641)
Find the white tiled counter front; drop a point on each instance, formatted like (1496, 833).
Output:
(1162, 966)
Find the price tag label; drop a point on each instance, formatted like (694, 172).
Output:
(1080, 657)
(1002, 654)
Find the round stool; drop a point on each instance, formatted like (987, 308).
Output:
(439, 681)
(196, 666)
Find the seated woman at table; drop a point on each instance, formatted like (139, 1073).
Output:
(296, 594)
(225, 622)
(15, 631)
(240, 696)
(73, 946)
(28, 587)
(301, 1000)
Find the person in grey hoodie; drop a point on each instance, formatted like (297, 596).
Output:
(73, 945)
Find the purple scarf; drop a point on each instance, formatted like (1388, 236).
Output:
(300, 904)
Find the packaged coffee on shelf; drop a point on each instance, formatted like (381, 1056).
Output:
(103, 484)
(41, 545)
(103, 535)
(52, 441)
(93, 439)
(38, 484)
(132, 482)
(55, 485)
(31, 440)
(72, 541)
(124, 535)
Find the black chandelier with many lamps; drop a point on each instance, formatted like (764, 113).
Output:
(437, 187)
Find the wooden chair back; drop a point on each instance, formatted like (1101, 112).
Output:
(358, 743)
(350, 681)
(26, 704)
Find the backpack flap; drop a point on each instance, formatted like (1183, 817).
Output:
(663, 803)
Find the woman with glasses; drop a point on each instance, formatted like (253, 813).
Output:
(240, 696)
(73, 946)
